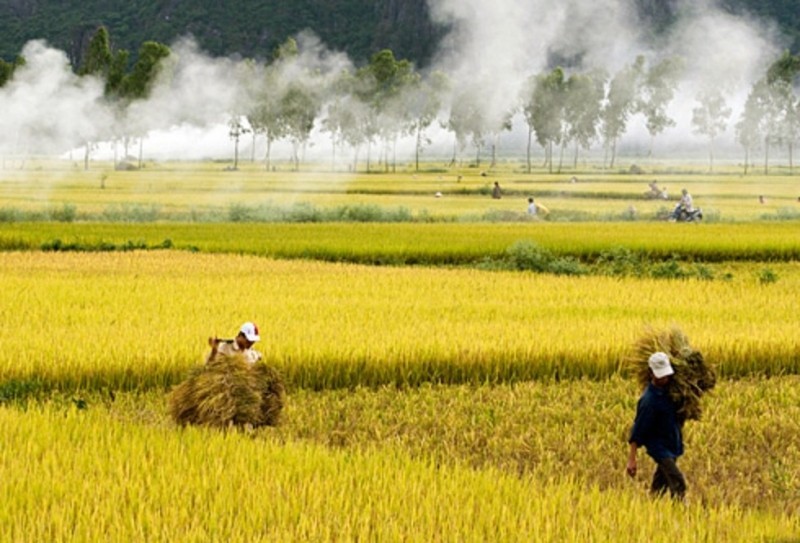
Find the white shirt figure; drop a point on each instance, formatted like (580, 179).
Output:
(532, 209)
(686, 201)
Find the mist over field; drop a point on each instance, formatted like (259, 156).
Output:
(491, 50)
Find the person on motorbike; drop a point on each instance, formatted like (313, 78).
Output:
(685, 205)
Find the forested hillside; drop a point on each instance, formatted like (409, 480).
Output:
(253, 28)
(250, 28)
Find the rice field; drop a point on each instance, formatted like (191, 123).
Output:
(435, 396)
(200, 192)
(341, 325)
(98, 474)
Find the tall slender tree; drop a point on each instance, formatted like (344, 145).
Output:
(710, 118)
(621, 101)
(657, 89)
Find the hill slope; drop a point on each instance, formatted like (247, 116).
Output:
(253, 28)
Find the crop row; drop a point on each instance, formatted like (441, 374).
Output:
(436, 244)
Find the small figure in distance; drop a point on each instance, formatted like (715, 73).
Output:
(685, 205)
(761, 199)
(655, 192)
(535, 209)
(658, 428)
(438, 194)
(532, 207)
(496, 191)
(242, 343)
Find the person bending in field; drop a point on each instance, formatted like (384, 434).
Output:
(657, 427)
(241, 344)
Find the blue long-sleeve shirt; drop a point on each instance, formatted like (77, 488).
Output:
(656, 426)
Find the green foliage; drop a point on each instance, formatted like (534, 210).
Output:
(767, 276)
(57, 245)
(253, 29)
(528, 256)
(19, 390)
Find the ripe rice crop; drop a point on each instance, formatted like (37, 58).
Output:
(436, 244)
(138, 320)
(81, 475)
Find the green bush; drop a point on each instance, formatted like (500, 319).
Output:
(526, 255)
(767, 276)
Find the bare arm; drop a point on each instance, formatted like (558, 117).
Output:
(213, 342)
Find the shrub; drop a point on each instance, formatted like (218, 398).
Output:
(526, 255)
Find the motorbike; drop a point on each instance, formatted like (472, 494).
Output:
(681, 214)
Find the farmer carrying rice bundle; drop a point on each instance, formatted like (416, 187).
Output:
(233, 388)
(674, 377)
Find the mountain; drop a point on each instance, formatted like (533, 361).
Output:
(254, 28)
(247, 28)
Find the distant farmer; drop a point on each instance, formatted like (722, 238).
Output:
(496, 192)
(532, 207)
(536, 209)
(686, 200)
(657, 427)
(241, 344)
(685, 205)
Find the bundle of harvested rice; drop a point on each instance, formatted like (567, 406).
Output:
(229, 391)
(692, 378)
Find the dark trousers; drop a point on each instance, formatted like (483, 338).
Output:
(668, 477)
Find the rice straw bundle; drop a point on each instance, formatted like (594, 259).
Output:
(229, 391)
(692, 378)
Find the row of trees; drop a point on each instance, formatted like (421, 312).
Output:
(370, 108)
(771, 115)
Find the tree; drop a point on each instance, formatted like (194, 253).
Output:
(423, 102)
(621, 101)
(657, 89)
(264, 115)
(236, 129)
(749, 127)
(467, 121)
(582, 108)
(299, 106)
(383, 83)
(780, 77)
(710, 119)
(784, 69)
(339, 117)
(7, 69)
(97, 62)
(138, 84)
(543, 109)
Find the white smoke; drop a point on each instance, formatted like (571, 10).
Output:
(45, 107)
(496, 46)
(492, 48)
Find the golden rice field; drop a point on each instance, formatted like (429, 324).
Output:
(439, 398)
(140, 319)
(529, 460)
(436, 244)
(99, 474)
(203, 191)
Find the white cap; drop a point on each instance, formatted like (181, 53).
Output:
(659, 364)
(250, 331)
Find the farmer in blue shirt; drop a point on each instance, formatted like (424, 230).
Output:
(657, 427)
